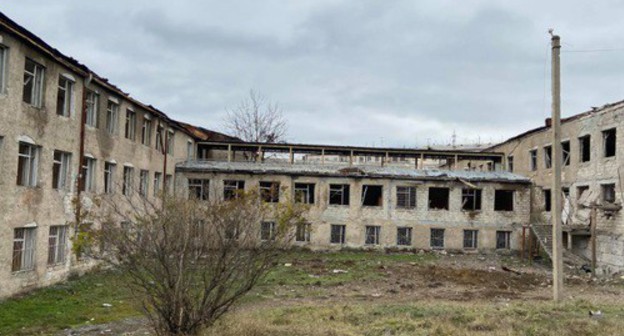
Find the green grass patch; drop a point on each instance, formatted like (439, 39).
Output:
(73, 303)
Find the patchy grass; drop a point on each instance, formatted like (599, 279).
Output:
(337, 268)
(424, 318)
(76, 302)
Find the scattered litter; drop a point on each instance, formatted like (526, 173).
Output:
(507, 269)
(314, 276)
(107, 305)
(376, 295)
(491, 269)
(595, 314)
(339, 271)
(287, 264)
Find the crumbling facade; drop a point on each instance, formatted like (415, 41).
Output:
(373, 206)
(49, 105)
(592, 154)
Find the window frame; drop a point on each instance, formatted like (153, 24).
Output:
(404, 239)
(130, 128)
(477, 199)
(232, 189)
(37, 76)
(303, 232)
(27, 251)
(143, 182)
(340, 189)
(500, 206)
(29, 178)
(199, 189)
(406, 197)
(112, 117)
(267, 231)
(533, 159)
(372, 235)
(128, 181)
(109, 177)
(471, 239)
(269, 191)
(65, 109)
(606, 150)
(60, 175)
(506, 241)
(87, 174)
(146, 132)
(4, 62)
(92, 102)
(434, 239)
(57, 243)
(305, 189)
(337, 234)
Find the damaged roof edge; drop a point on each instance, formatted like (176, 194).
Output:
(563, 121)
(339, 171)
(35, 42)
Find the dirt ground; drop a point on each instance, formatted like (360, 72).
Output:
(448, 278)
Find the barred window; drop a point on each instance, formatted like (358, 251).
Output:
(437, 238)
(406, 197)
(404, 236)
(470, 239)
(372, 235)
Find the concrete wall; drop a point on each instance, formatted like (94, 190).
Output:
(421, 219)
(42, 206)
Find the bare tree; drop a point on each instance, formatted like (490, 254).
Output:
(189, 260)
(256, 119)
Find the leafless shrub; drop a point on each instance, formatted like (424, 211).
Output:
(188, 260)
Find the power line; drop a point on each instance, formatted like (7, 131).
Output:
(592, 50)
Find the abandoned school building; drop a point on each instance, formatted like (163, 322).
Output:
(68, 134)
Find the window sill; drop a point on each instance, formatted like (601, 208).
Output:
(23, 272)
(437, 209)
(405, 209)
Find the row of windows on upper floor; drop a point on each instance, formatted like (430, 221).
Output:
(372, 195)
(28, 173)
(607, 194)
(609, 146)
(33, 94)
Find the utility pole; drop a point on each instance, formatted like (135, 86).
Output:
(557, 253)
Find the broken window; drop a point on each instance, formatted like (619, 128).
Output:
(23, 249)
(92, 109)
(471, 239)
(580, 190)
(199, 188)
(64, 96)
(233, 189)
(33, 83)
(109, 177)
(584, 148)
(60, 169)
(565, 150)
(372, 235)
(87, 174)
(269, 191)
(56, 244)
(547, 157)
(337, 235)
(372, 195)
(437, 238)
(189, 150)
(304, 193)
(143, 182)
(439, 198)
(159, 139)
(471, 199)
(170, 138)
(302, 233)
(547, 199)
(404, 236)
(609, 138)
(267, 231)
(503, 240)
(27, 165)
(503, 200)
(112, 114)
(157, 179)
(510, 164)
(406, 197)
(533, 160)
(130, 124)
(127, 180)
(339, 194)
(146, 131)
(608, 192)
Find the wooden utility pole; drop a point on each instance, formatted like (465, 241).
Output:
(557, 253)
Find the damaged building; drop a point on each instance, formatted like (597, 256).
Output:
(592, 176)
(376, 205)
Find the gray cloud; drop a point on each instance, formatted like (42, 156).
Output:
(403, 73)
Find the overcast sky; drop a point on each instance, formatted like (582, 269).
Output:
(397, 73)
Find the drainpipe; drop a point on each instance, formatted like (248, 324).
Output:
(79, 181)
